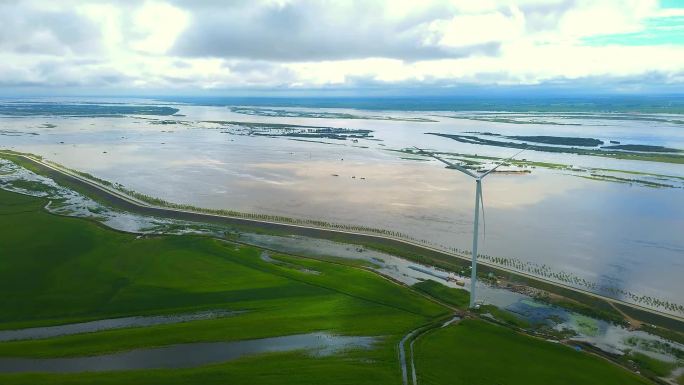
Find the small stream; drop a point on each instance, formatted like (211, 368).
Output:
(108, 324)
(188, 355)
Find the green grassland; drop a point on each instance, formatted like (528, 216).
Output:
(56, 270)
(475, 352)
(459, 298)
(504, 316)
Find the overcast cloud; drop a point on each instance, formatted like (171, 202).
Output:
(318, 30)
(189, 46)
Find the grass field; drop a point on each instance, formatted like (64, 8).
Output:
(475, 352)
(459, 298)
(504, 316)
(56, 270)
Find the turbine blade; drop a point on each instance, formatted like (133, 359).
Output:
(430, 154)
(484, 221)
(464, 170)
(451, 165)
(504, 161)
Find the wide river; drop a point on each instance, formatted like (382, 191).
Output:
(619, 235)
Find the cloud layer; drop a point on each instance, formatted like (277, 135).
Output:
(189, 46)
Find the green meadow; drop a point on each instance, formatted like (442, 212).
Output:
(475, 352)
(57, 270)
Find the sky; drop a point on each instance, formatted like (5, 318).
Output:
(213, 47)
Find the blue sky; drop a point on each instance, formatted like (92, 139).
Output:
(658, 30)
(354, 46)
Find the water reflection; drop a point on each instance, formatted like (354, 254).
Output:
(109, 324)
(189, 355)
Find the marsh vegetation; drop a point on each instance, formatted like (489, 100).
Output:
(273, 112)
(665, 155)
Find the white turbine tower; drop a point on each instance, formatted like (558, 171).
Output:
(478, 201)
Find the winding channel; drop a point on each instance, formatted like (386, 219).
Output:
(189, 355)
(110, 324)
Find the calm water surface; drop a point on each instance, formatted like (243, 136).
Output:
(188, 355)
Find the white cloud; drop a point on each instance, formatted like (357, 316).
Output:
(182, 44)
(159, 24)
(465, 30)
(607, 17)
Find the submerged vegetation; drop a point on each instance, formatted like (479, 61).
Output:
(618, 154)
(595, 310)
(560, 140)
(514, 120)
(503, 316)
(272, 112)
(641, 148)
(649, 365)
(549, 115)
(543, 270)
(613, 178)
(556, 140)
(520, 166)
(17, 133)
(290, 130)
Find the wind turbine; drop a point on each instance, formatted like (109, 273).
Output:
(478, 200)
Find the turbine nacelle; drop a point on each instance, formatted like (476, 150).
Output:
(463, 169)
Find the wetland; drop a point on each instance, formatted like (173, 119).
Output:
(544, 195)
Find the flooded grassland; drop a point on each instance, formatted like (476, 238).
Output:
(609, 224)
